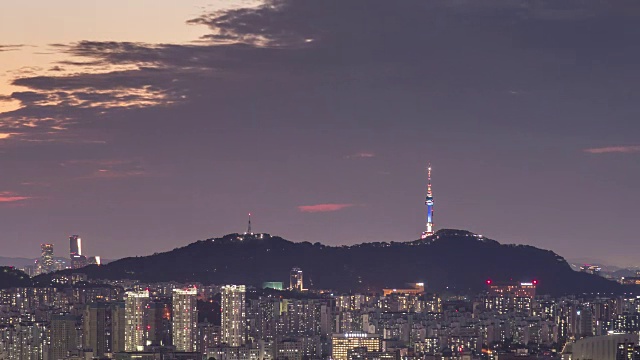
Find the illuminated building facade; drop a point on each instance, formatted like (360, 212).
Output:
(630, 280)
(208, 336)
(341, 344)
(416, 289)
(94, 260)
(28, 342)
(295, 280)
(511, 297)
(75, 252)
(135, 334)
(591, 269)
(523, 289)
(276, 285)
(46, 258)
(75, 245)
(429, 202)
(233, 315)
(78, 261)
(185, 319)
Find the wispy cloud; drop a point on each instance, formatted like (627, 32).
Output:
(107, 168)
(323, 207)
(614, 149)
(10, 47)
(9, 197)
(361, 155)
(5, 135)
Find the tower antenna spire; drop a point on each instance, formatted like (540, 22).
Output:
(429, 202)
(249, 226)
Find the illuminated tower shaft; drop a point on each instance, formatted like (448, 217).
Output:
(429, 203)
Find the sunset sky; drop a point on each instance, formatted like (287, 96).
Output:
(146, 125)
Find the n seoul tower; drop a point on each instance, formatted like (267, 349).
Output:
(429, 203)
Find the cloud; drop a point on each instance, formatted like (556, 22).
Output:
(106, 168)
(614, 149)
(9, 197)
(323, 207)
(361, 155)
(293, 48)
(10, 47)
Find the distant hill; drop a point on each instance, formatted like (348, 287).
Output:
(10, 277)
(453, 260)
(18, 262)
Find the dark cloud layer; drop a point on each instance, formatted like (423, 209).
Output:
(502, 95)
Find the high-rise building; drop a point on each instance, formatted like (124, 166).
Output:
(628, 351)
(233, 315)
(94, 260)
(208, 336)
(29, 341)
(78, 261)
(135, 331)
(523, 289)
(342, 343)
(159, 323)
(429, 202)
(46, 258)
(118, 326)
(295, 280)
(75, 252)
(511, 297)
(102, 328)
(96, 322)
(185, 319)
(64, 336)
(75, 245)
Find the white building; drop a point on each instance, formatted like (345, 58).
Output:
(135, 310)
(233, 315)
(185, 319)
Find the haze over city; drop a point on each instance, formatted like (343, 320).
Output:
(144, 126)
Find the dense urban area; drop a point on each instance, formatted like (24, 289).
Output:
(74, 317)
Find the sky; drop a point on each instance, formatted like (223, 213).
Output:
(144, 126)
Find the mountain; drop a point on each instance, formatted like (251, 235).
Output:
(18, 262)
(451, 260)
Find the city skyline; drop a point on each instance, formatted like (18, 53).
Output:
(169, 128)
(319, 180)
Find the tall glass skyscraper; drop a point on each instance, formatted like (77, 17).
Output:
(46, 258)
(75, 245)
(75, 252)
